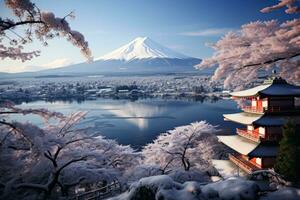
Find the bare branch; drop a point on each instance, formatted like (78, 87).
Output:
(32, 186)
(8, 124)
(8, 25)
(271, 61)
(70, 162)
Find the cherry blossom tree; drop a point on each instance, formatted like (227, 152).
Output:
(185, 147)
(258, 47)
(30, 22)
(292, 7)
(49, 162)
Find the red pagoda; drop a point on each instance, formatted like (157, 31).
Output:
(256, 145)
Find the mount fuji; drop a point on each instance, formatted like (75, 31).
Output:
(142, 48)
(140, 56)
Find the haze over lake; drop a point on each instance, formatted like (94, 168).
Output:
(139, 122)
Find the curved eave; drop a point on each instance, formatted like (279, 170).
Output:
(243, 118)
(264, 150)
(249, 148)
(272, 120)
(249, 92)
(238, 143)
(269, 90)
(281, 90)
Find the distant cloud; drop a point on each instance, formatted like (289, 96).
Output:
(61, 62)
(176, 47)
(96, 32)
(208, 32)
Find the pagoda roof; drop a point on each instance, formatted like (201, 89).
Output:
(261, 119)
(264, 150)
(243, 117)
(248, 147)
(275, 120)
(238, 143)
(276, 87)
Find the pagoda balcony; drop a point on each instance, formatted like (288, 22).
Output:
(251, 135)
(270, 109)
(254, 135)
(242, 163)
(253, 109)
(261, 110)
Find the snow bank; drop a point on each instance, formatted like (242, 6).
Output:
(283, 194)
(149, 188)
(231, 188)
(141, 171)
(189, 191)
(164, 187)
(182, 176)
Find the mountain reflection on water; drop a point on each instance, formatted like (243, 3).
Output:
(139, 122)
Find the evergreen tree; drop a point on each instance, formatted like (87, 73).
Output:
(288, 159)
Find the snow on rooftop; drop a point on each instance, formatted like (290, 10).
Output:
(250, 92)
(238, 143)
(272, 87)
(260, 119)
(243, 118)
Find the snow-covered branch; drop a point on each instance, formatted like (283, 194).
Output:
(184, 147)
(41, 24)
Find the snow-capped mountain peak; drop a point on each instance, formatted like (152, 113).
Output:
(142, 48)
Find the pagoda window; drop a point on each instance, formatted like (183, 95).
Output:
(282, 102)
(253, 103)
(258, 161)
(273, 133)
(250, 128)
(265, 103)
(262, 131)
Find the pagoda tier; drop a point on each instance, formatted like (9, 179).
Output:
(250, 156)
(249, 148)
(272, 104)
(275, 96)
(261, 119)
(261, 127)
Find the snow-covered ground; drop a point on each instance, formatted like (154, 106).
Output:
(227, 169)
(165, 188)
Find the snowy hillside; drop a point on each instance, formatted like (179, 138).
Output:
(142, 48)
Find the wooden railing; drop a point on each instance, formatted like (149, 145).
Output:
(253, 109)
(99, 193)
(270, 109)
(243, 164)
(252, 135)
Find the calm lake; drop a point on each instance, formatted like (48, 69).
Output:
(139, 122)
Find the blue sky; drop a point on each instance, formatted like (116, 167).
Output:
(182, 25)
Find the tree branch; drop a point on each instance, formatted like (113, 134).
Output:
(12, 25)
(270, 61)
(70, 162)
(32, 186)
(8, 112)
(8, 124)
(166, 166)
